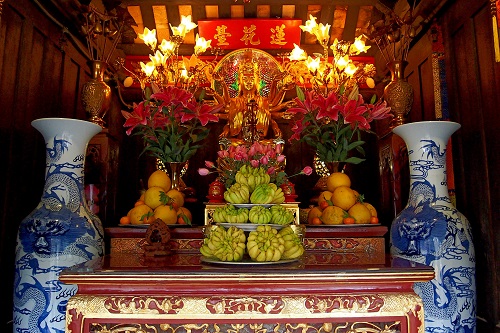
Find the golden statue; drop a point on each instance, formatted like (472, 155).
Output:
(249, 113)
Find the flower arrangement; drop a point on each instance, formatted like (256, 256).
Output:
(257, 155)
(332, 124)
(172, 123)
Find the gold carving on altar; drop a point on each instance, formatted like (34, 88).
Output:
(276, 308)
(347, 327)
(224, 305)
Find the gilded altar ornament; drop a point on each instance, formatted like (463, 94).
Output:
(252, 102)
(96, 94)
(103, 31)
(111, 309)
(393, 36)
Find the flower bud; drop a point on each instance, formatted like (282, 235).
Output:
(203, 171)
(209, 164)
(307, 170)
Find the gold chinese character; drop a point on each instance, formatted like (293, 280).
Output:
(221, 35)
(278, 35)
(249, 35)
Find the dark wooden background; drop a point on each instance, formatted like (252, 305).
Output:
(42, 71)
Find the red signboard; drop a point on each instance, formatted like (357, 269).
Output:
(254, 33)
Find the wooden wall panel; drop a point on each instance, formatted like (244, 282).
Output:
(473, 94)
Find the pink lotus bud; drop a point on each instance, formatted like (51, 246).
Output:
(264, 160)
(254, 163)
(271, 170)
(203, 171)
(209, 164)
(307, 170)
(279, 148)
(280, 158)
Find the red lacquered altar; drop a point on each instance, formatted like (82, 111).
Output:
(330, 289)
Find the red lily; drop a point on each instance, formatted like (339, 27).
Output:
(137, 117)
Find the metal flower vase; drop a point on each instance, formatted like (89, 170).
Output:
(398, 93)
(430, 230)
(59, 233)
(96, 94)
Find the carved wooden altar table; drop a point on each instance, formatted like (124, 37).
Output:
(324, 291)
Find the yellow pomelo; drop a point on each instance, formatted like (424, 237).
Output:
(153, 196)
(333, 215)
(166, 213)
(360, 213)
(313, 212)
(337, 179)
(324, 196)
(344, 197)
(177, 196)
(160, 178)
(141, 214)
(372, 209)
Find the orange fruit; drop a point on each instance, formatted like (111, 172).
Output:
(343, 197)
(360, 213)
(333, 215)
(141, 214)
(324, 204)
(166, 213)
(372, 209)
(313, 212)
(337, 179)
(139, 202)
(324, 196)
(153, 196)
(177, 196)
(125, 220)
(184, 216)
(160, 178)
(316, 221)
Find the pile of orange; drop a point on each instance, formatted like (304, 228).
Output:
(340, 204)
(159, 201)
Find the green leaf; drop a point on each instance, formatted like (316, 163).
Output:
(354, 160)
(300, 94)
(354, 145)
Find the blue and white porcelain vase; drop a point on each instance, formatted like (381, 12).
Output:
(430, 230)
(59, 233)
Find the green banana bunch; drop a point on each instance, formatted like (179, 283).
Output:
(259, 215)
(281, 215)
(236, 215)
(294, 247)
(237, 194)
(219, 215)
(224, 244)
(265, 244)
(230, 214)
(279, 196)
(252, 177)
(263, 194)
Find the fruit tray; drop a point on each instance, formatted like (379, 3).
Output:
(249, 226)
(210, 208)
(247, 262)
